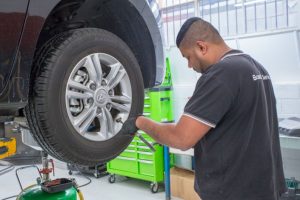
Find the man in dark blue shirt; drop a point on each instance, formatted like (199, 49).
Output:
(231, 120)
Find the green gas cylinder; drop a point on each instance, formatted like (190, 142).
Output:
(36, 193)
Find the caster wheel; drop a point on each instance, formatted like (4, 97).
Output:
(97, 175)
(154, 187)
(112, 178)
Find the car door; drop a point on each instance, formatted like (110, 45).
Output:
(12, 17)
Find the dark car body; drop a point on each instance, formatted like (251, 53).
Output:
(25, 25)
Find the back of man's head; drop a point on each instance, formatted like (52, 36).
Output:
(196, 29)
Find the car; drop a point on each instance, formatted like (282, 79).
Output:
(77, 69)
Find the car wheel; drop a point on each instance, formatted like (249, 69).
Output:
(83, 82)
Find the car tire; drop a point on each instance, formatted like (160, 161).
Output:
(49, 111)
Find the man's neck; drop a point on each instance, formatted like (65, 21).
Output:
(219, 52)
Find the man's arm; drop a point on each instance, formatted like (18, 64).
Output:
(183, 135)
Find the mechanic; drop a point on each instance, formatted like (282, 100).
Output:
(230, 120)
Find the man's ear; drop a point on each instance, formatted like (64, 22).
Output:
(202, 46)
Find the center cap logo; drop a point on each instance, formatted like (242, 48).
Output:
(101, 96)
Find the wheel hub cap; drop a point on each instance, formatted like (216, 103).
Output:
(101, 97)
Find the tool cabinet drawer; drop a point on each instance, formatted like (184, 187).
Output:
(146, 168)
(124, 164)
(129, 153)
(145, 155)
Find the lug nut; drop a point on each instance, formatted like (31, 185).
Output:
(108, 106)
(98, 110)
(110, 92)
(93, 86)
(90, 100)
(103, 83)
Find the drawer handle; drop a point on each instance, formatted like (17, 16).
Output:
(144, 147)
(129, 151)
(124, 158)
(165, 99)
(145, 153)
(145, 161)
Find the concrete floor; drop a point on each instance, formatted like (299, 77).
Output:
(100, 189)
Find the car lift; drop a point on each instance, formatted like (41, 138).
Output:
(7, 145)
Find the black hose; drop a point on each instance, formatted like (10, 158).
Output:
(6, 170)
(10, 197)
(88, 178)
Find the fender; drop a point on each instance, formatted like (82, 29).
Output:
(15, 94)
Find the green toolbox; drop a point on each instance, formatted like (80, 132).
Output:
(138, 161)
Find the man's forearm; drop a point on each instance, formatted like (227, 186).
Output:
(163, 133)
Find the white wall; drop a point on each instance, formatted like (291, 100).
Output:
(184, 80)
(279, 52)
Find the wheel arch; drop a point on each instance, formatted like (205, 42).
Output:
(119, 17)
(145, 42)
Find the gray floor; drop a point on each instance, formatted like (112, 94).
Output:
(100, 189)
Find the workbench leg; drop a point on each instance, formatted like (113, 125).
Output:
(167, 172)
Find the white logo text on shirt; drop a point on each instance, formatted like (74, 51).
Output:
(261, 77)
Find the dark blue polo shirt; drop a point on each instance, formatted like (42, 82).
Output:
(240, 157)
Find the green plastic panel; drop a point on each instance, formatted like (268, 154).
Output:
(168, 76)
(160, 106)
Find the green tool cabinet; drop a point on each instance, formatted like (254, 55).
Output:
(138, 161)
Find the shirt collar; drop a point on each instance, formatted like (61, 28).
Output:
(232, 51)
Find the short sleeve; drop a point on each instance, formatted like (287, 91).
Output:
(211, 100)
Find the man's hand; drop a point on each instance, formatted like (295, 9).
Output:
(129, 127)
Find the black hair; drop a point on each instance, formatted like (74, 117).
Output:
(202, 30)
(185, 27)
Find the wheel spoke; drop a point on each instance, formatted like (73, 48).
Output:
(89, 65)
(113, 72)
(79, 86)
(78, 120)
(103, 123)
(106, 122)
(87, 122)
(78, 95)
(116, 80)
(121, 99)
(120, 107)
(97, 65)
